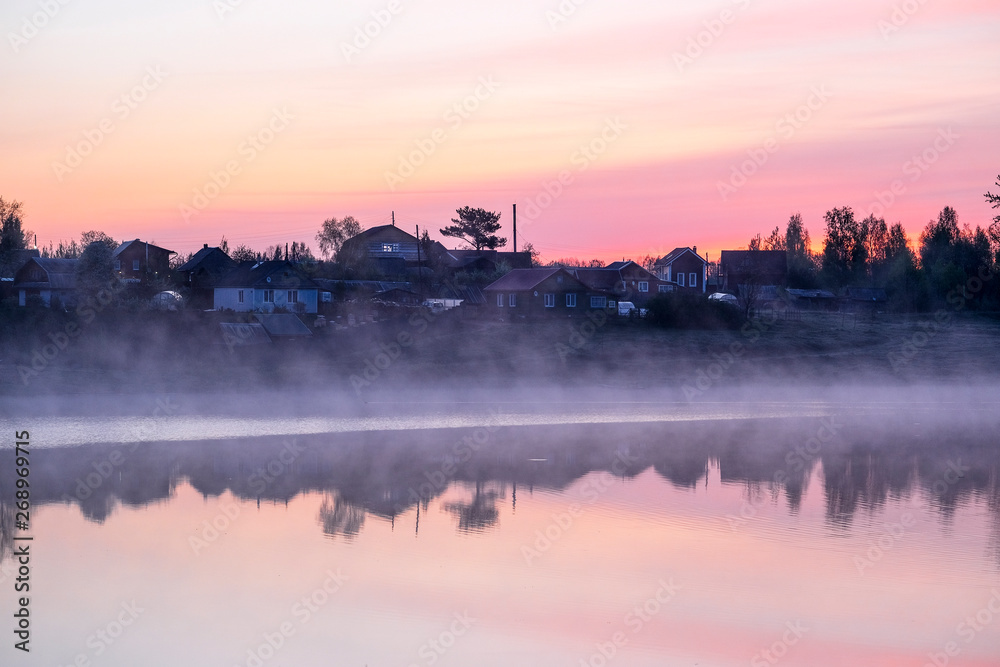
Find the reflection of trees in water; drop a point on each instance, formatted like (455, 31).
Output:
(339, 517)
(478, 514)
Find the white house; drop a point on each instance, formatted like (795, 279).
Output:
(262, 287)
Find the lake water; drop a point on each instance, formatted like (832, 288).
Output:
(811, 534)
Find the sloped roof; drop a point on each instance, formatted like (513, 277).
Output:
(386, 232)
(243, 333)
(521, 280)
(674, 254)
(211, 259)
(61, 273)
(120, 249)
(602, 279)
(283, 324)
(283, 275)
(618, 266)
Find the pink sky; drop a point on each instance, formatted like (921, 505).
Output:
(197, 84)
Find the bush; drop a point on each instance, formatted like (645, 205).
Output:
(676, 310)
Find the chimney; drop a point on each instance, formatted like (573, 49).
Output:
(695, 248)
(206, 245)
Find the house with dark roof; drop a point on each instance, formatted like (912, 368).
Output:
(262, 287)
(759, 267)
(53, 280)
(139, 262)
(485, 261)
(201, 273)
(544, 292)
(626, 280)
(683, 268)
(386, 249)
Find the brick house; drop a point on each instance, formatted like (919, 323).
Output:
(683, 268)
(626, 280)
(544, 292)
(140, 262)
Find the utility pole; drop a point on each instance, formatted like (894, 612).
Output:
(393, 218)
(515, 227)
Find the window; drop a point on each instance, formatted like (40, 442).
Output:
(135, 265)
(239, 296)
(571, 301)
(643, 286)
(500, 300)
(390, 247)
(598, 302)
(550, 300)
(680, 279)
(269, 296)
(293, 296)
(512, 300)
(118, 265)
(692, 280)
(662, 289)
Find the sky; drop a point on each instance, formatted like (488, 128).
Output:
(619, 129)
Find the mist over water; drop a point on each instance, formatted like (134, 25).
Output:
(843, 525)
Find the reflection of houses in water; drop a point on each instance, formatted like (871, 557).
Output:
(381, 475)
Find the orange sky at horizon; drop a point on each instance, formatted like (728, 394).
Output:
(669, 123)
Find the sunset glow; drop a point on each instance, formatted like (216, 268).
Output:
(672, 123)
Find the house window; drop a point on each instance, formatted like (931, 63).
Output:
(663, 288)
(293, 296)
(135, 265)
(500, 300)
(680, 279)
(598, 302)
(550, 300)
(571, 301)
(269, 296)
(512, 300)
(390, 247)
(643, 286)
(692, 280)
(118, 265)
(239, 296)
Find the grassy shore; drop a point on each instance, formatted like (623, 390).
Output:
(125, 353)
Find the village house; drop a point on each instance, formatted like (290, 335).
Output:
(202, 272)
(683, 268)
(543, 292)
(386, 249)
(757, 267)
(52, 280)
(626, 280)
(140, 262)
(485, 261)
(263, 287)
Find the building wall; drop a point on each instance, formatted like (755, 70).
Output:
(159, 263)
(688, 264)
(253, 300)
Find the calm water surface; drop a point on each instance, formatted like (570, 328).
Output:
(772, 534)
